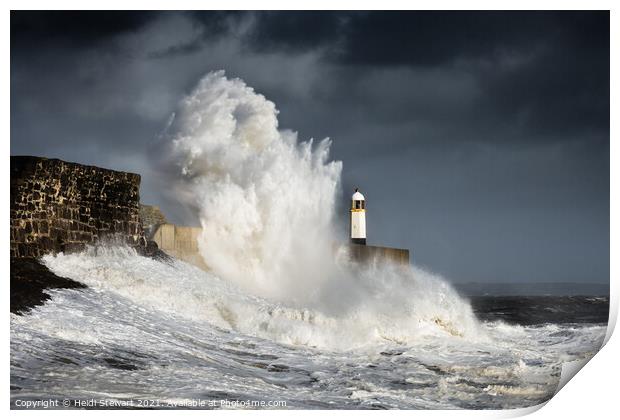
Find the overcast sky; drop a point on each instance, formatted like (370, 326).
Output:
(480, 139)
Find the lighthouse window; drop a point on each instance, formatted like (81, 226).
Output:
(358, 204)
(363, 204)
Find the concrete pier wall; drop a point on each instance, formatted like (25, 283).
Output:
(368, 253)
(180, 242)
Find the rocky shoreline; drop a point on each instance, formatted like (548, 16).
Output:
(30, 280)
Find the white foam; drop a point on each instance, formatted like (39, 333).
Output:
(391, 305)
(266, 201)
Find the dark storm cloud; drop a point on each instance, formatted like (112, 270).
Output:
(535, 67)
(437, 38)
(429, 38)
(211, 26)
(557, 92)
(480, 138)
(74, 28)
(297, 31)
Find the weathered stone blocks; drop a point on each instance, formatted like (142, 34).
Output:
(61, 206)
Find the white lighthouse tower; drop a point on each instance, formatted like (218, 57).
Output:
(358, 218)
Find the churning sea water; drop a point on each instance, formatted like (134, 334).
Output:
(168, 333)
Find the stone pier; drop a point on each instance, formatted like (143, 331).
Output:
(180, 242)
(59, 206)
(369, 253)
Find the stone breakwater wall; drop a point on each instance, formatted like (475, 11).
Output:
(368, 254)
(59, 206)
(180, 242)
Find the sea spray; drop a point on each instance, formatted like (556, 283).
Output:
(391, 306)
(265, 201)
(147, 329)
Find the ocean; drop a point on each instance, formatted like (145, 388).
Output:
(164, 334)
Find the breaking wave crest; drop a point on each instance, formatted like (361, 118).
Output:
(265, 201)
(402, 307)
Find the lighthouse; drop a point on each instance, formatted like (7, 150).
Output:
(358, 218)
